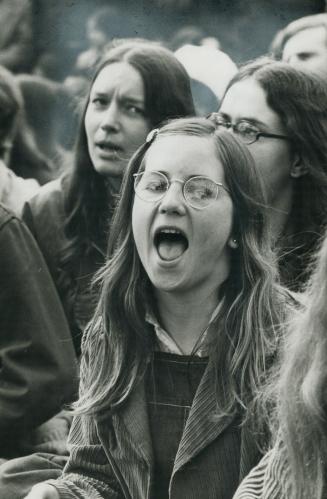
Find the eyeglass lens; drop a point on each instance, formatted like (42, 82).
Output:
(198, 192)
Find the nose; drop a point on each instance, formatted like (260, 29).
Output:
(230, 128)
(111, 117)
(173, 201)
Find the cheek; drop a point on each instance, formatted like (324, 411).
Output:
(139, 226)
(213, 235)
(136, 134)
(274, 164)
(89, 125)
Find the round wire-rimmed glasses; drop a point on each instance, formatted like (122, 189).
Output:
(246, 131)
(199, 191)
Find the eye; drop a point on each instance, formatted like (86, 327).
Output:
(99, 102)
(135, 110)
(246, 129)
(201, 189)
(132, 109)
(304, 56)
(222, 120)
(153, 183)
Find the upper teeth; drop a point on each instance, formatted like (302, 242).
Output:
(170, 231)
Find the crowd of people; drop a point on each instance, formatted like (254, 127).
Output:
(163, 238)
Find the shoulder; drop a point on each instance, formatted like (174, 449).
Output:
(49, 194)
(44, 215)
(45, 211)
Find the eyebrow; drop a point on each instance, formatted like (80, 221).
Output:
(252, 121)
(121, 98)
(96, 92)
(184, 177)
(129, 99)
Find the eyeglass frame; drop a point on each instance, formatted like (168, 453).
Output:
(183, 182)
(227, 124)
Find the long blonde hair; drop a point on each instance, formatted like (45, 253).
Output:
(302, 390)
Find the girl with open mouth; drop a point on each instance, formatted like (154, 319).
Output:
(185, 330)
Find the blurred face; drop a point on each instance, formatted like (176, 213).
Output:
(246, 101)
(115, 122)
(307, 49)
(95, 36)
(182, 248)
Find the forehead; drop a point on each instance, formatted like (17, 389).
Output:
(247, 99)
(120, 77)
(183, 156)
(306, 40)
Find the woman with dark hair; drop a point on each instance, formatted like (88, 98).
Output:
(185, 329)
(137, 86)
(280, 114)
(296, 467)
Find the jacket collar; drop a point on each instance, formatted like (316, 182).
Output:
(201, 427)
(200, 430)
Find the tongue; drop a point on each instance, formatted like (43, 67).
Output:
(170, 250)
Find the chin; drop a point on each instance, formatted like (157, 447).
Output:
(168, 285)
(112, 170)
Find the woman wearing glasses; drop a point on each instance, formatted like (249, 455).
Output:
(280, 114)
(184, 331)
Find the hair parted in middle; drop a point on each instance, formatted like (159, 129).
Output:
(119, 343)
(88, 203)
(307, 22)
(300, 100)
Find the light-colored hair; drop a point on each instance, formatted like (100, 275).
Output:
(119, 343)
(301, 390)
(306, 22)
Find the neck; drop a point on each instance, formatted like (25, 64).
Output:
(113, 184)
(185, 318)
(279, 212)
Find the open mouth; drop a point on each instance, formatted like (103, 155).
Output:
(170, 243)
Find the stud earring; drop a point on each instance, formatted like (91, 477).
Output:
(233, 243)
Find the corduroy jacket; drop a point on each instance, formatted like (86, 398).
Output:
(114, 459)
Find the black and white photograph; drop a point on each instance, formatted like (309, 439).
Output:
(163, 242)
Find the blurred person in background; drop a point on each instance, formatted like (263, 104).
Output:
(279, 112)
(38, 371)
(16, 35)
(22, 166)
(303, 44)
(51, 113)
(104, 25)
(210, 71)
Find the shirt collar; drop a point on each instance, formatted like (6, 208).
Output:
(166, 343)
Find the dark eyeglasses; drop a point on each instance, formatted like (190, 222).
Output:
(246, 132)
(199, 192)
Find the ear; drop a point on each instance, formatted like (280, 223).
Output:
(298, 168)
(232, 243)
